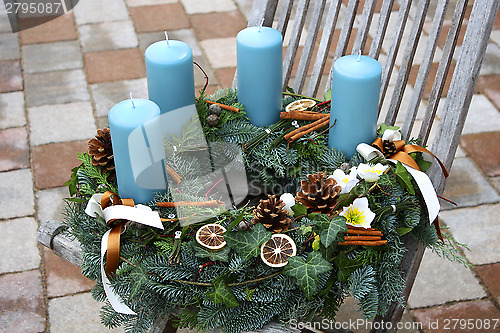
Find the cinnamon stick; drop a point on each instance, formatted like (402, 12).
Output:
(323, 122)
(306, 127)
(362, 238)
(211, 203)
(365, 243)
(364, 232)
(224, 106)
(302, 115)
(173, 175)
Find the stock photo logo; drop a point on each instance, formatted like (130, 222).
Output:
(26, 14)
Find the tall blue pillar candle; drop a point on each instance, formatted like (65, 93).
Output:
(259, 61)
(170, 76)
(355, 98)
(137, 148)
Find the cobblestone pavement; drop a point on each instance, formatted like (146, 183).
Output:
(57, 83)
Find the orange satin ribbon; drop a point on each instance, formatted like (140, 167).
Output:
(113, 252)
(402, 153)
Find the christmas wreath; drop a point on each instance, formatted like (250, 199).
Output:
(324, 227)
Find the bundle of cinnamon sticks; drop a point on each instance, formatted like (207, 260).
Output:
(320, 120)
(363, 237)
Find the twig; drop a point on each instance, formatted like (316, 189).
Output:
(206, 76)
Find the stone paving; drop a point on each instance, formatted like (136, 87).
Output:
(57, 83)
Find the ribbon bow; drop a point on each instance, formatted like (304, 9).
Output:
(116, 212)
(394, 149)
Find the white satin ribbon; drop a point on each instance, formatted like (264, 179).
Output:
(139, 214)
(424, 183)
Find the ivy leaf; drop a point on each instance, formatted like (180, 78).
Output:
(307, 272)
(290, 89)
(404, 178)
(403, 230)
(73, 181)
(222, 294)
(384, 127)
(299, 209)
(247, 243)
(346, 266)
(329, 229)
(328, 95)
(220, 255)
(236, 221)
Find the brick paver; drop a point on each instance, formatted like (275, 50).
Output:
(73, 69)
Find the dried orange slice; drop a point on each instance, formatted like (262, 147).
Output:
(300, 105)
(211, 236)
(276, 251)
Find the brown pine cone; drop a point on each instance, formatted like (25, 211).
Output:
(389, 148)
(319, 194)
(101, 150)
(271, 214)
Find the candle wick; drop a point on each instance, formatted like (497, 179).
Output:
(132, 100)
(166, 38)
(261, 24)
(359, 55)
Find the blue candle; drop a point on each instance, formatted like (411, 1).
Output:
(259, 61)
(170, 76)
(355, 98)
(137, 148)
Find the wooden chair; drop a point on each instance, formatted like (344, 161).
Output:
(320, 18)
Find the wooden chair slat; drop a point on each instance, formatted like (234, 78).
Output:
(291, 50)
(308, 49)
(345, 34)
(404, 10)
(364, 26)
(423, 73)
(286, 10)
(443, 69)
(462, 85)
(324, 47)
(409, 54)
(385, 15)
(262, 9)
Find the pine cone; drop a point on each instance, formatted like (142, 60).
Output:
(389, 148)
(271, 214)
(319, 195)
(101, 150)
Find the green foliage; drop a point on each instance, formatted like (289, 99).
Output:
(222, 294)
(346, 266)
(404, 178)
(221, 255)
(328, 230)
(247, 243)
(306, 272)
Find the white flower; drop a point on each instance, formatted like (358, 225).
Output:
(391, 135)
(370, 172)
(358, 214)
(289, 201)
(346, 182)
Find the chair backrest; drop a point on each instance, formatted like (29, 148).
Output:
(390, 31)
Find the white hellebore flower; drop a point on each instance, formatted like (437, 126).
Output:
(289, 201)
(358, 214)
(347, 182)
(371, 173)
